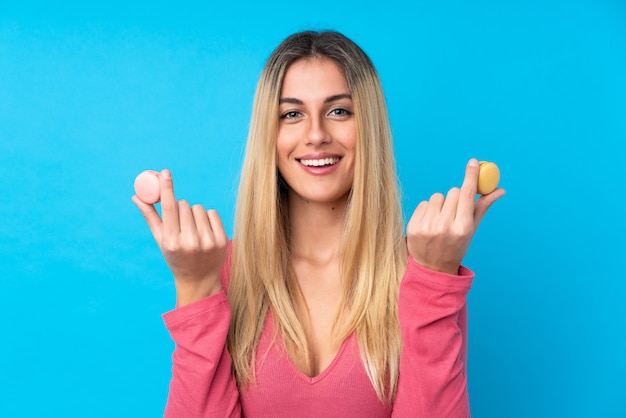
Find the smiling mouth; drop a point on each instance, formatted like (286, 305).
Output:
(321, 162)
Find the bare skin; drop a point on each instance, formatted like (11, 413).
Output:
(441, 229)
(193, 242)
(315, 242)
(318, 123)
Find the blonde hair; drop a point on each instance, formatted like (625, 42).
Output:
(373, 250)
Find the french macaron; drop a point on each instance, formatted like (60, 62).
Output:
(488, 177)
(147, 187)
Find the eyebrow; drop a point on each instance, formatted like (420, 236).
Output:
(327, 100)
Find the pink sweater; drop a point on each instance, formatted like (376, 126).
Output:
(433, 320)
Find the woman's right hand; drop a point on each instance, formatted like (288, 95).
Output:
(193, 242)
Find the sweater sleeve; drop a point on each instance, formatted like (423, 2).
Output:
(202, 384)
(433, 319)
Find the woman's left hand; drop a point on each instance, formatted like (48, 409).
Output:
(441, 229)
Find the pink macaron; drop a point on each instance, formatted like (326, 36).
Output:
(147, 187)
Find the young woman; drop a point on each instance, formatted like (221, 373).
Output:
(320, 306)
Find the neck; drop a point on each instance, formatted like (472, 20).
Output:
(316, 228)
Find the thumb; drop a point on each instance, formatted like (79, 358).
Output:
(484, 203)
(152, 218)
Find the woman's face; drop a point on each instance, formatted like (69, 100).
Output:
(317, 132)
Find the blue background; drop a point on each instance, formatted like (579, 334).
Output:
(92, 95)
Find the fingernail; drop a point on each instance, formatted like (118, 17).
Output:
(473, 162)
(166, 174)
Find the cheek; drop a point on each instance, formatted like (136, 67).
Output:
(350, 137)
(282, 153)
(284, 141)
(351, 145)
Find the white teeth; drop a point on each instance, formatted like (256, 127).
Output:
(320, 162)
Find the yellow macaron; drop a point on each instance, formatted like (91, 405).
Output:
(488, 177)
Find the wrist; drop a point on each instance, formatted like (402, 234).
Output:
(188, 291)
(441, 268)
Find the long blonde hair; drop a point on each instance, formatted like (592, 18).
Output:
(373, 250)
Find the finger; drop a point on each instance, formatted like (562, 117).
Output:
(435, 204)
(416, 218)
(467, 195)
(221, 238)
(151, 216)
(202, 224)
(450, 204)
(188, 226)
(420, 211)
(484, 203)
(169, 206)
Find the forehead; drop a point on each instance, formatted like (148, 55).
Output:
(314, 78)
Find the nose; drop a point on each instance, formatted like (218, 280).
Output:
(318, 131)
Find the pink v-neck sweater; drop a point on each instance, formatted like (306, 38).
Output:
(433, 384)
